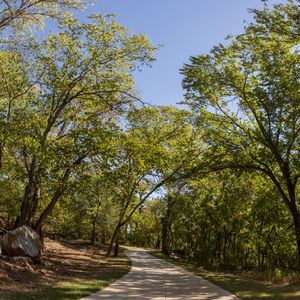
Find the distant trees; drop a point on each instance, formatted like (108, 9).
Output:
(227, 219)
(157, 145)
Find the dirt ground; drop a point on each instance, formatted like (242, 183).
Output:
(72, 261)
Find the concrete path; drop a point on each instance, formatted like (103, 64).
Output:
(157, 279)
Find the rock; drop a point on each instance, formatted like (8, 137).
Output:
(24, 259)
(22, 241)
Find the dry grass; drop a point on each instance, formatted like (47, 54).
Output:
(70, 270)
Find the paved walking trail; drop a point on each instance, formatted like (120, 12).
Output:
(157, 279)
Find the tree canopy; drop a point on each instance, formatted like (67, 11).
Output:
(252, 83)
(82, 156)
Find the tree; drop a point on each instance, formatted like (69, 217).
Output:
(24, 13)
(145, 226)
(171, 200)
(87, 210)
(83, 82)
(252, 84)
(157, 145)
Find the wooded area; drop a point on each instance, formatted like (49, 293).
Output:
(83, 157)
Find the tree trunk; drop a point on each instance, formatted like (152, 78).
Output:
(103, 237)
(34, 201)
(157, 245)
(1, 154)
(93, 235)
(225, 249)
(53, 201)
(113, 239)
(296, 218)
(30, 191)
(165, 236)
(28, 206)
(116, 250)
(218, 248)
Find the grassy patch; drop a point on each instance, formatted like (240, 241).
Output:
(72, 270)
(240, 285)
(67, 290)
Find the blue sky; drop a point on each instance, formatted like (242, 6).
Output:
(184, 28)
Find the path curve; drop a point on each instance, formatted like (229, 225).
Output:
(157, 279)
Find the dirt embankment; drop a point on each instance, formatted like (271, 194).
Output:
(62, 261)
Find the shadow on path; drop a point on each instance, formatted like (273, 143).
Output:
(157, 279)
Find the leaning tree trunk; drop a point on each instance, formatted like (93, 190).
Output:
(113, 239)
(38, 225)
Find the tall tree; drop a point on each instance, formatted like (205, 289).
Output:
(83, 82)
(252, 84)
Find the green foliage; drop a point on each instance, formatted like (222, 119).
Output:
(145, 226)
(20, 15)
(81, 158)
(61, 105)
(227, 209)
(246, 95)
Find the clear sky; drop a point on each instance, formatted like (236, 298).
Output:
(184, 28)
